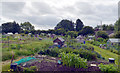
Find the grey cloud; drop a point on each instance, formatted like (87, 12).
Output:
(42, 7)
(12, 8)
(44, 15)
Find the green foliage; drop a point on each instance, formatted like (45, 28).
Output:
(27, 26)
(30, 69)
(102, 34)
(15, 46)
(110, 68)
(117, 25)
(87, 54)
(66, 25)
(52, 52)
(6, 56)
(10, 27)
(73, 60)
(29, 48)
(23, 53)
(72, 34)
(100, 39)
(60, 31)
(86, 31)
(79, 25)
(117, 34)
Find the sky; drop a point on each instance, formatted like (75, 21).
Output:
(46, 14)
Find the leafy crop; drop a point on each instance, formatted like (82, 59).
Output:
(73, 60)
(110, 68)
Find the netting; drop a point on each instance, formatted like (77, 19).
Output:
(25, 60)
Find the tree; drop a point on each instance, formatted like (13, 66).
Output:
(86, 30)
(117, 34)
(117, 25)
(104, 27)
(65, 25)
(27, 26)
(110, 27)
(102, 34)
(72, 34)
(12, 27)
(51, 31)
(79, 25)
(60, 31)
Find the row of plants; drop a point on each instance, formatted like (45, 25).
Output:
(73, 60)
(87, 54)
(108, 68)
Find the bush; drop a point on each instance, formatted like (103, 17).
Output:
(52, 52)
(110, 68)
(100, 39)
(73, 60)
(102, 34)
(89, 55)
(6, 56)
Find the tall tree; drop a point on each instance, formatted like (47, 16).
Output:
(86, 31)
(117, 25)
(27, 26)
(79, 25)
(12, 27)
(66, 25)
(102, 34)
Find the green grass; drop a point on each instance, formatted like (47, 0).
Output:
(6, 67)
(25, 49)
(105, 53)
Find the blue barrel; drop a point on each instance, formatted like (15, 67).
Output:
(84, 42)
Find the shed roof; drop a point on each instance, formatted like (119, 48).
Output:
(114, 40)
(91, 36)
(61, 39)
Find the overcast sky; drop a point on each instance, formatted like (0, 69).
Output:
(45, 14)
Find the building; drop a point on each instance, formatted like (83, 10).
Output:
(113, 41)
(91, 38)
(80, 39)
(59, 42)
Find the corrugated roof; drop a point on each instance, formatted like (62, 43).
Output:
(114, 40)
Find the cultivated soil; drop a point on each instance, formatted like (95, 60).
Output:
(46, 63)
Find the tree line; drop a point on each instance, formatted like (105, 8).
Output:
(64, 27)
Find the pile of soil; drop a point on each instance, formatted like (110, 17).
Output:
(47, 63)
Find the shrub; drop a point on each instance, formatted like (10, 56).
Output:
(89, 55)
(6, 56)
(110, 68)
(52, 52)
(73, 60)
(100, 39)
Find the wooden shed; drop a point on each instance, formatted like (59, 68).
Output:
(59, 42)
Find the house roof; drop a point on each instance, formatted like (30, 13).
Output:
(91, 36)
(114, 40)
(61, 39)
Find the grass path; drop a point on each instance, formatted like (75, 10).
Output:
(106, 54)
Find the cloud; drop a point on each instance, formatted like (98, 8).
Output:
(45, 14)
